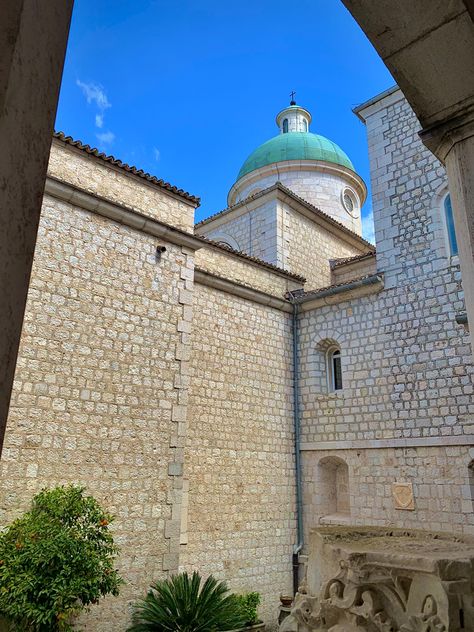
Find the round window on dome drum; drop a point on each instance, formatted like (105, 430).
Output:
(349, 202)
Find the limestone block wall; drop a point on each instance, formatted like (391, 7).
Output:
(239, 455)
(407, 186)
(93, 175)
(324, 189)
(406, 363)
(244, 272)
(277, 233)
(100, 394)
(440, 477)
(255, 232)
(405, 413)
(307, 247)
(350, 271)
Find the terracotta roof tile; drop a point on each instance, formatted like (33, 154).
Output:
(93, 151)
(322, 290)
(340, 262)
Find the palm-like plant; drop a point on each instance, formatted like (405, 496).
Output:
(184, 604)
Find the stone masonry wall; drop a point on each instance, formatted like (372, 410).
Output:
(255, 232)
(244, 272)
(307, 247)
(240, 456)
(441, 482)
(348, 272)
(280, 235)
(406, 363)
(100, 392)
(95, 176)
(315, 185)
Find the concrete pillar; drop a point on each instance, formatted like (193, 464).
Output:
(453, 143)
(33, 37)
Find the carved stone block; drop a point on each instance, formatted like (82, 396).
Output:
(403, 496)
(369, 579)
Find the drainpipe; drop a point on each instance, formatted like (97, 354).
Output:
(297, 431)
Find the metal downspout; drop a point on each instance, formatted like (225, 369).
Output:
(297, 431)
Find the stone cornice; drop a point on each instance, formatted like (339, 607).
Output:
(287, 166)
(338, 293)
(441, 137)
(242, 291)
(120, 214)
(279, 192)
(381, 101)
(142, 223)
(371, 444)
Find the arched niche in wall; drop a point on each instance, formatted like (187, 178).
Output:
(333, 488)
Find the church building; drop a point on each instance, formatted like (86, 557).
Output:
(224, 387)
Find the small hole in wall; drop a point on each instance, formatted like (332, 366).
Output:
(461, 619)
(159, 252)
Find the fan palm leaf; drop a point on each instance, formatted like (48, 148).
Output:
(183, 603)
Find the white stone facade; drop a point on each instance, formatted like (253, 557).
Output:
(318, 183)
(162, 380)
(406, 410)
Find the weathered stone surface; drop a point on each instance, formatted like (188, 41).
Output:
(381, 580)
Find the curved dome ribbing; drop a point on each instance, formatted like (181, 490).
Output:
(295, 146)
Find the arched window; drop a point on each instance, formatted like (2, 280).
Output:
(305, 125)
(334, 369)
(285, 126)
(449, 219)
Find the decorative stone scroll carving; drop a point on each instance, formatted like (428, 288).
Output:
(385, 581)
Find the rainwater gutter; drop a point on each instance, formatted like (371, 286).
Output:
(297, 434)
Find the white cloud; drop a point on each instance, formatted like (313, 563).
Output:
(368, 230)
(94, 93)
(106, 137)
(156, 153)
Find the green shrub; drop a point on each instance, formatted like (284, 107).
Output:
(184, 603)
(248, 604)
(56, 560)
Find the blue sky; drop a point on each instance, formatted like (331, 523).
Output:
(186, 89)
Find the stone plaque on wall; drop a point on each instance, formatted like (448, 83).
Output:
(403, 496)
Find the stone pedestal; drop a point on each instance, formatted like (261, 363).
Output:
(385, 580)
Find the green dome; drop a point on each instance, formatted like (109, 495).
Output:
(295, 146)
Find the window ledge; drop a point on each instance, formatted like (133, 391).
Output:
(337, 518)
(331, 395)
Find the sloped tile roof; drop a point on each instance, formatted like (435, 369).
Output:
(340, 262)
(93, 151)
